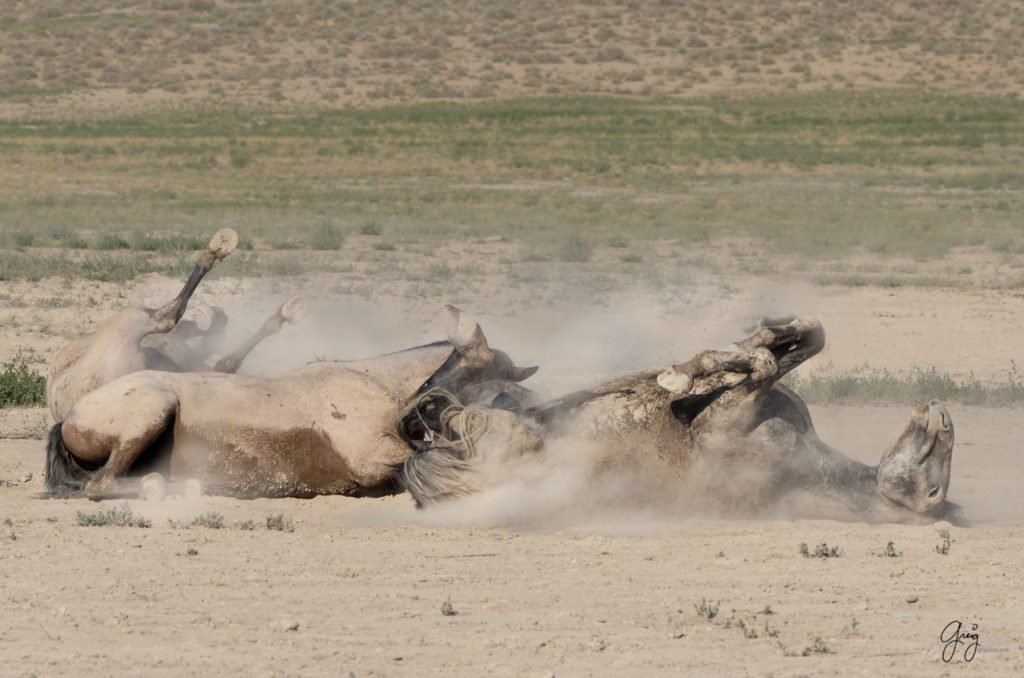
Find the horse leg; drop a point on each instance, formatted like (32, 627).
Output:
(221, 245)
(730, 386)
(791, 340)
(291, 311)
(114, 442)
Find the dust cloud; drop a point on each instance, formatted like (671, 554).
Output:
(576, 346)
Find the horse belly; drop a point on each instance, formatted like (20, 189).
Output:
(291, 462)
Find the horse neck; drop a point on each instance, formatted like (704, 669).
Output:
(831, 469)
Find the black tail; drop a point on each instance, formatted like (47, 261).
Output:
(64, 477)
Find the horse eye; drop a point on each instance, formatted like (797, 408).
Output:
(934, 492)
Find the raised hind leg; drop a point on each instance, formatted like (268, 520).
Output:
(730, 386)
(221, 245)
(115, 349)
(112, 426)
(291, 311)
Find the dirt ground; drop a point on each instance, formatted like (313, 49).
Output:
(536, 586)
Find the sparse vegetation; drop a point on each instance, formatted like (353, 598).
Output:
(586, 170)
(575, 248)
(370, 228)
(706, 609)
(890, 551)
(819, 646)
(280, 523)
(943, 548)
(327, 237)
(211, 520)
(881, 386)
(822, 550)
(447, 609)
(114, 517)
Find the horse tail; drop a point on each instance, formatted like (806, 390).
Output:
(64, 477)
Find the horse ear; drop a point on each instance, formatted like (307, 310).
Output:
(522, 373)
(468, 338)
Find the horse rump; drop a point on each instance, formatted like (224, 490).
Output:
(64, 476)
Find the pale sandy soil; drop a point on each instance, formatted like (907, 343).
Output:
(538, 588)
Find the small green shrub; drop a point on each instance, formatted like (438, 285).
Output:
(211, 520)
(370, 228)
(823, 550)
(23, 239)
(576, 248)
(280, 523)
(239, 157)
(20, 384)
(943, 548)
(112, 242)
(116, 517)
(817, 647)
(327, 237)
(74, 242)
(706, 609)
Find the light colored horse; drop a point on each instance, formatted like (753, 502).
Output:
(327, 428)
(115, 348)
(719, 426)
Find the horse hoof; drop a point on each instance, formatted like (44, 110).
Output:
(223, 243)
(153, 487)
(203, 318)
(294, 310)
(674, 382)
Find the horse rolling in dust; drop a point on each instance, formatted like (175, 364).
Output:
(718, 431)
(115, 348)
(326, 428)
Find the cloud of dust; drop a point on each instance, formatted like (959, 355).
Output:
(632, 331)
(576, 345)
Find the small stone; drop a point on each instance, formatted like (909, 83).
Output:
(289, 624)
(912, 599)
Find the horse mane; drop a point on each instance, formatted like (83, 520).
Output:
(443, 469)
(64, 476)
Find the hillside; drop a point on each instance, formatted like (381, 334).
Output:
(97, 57)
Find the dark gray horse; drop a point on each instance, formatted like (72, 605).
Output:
(721, 423)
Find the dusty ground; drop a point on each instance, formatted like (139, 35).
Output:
(536, 587)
